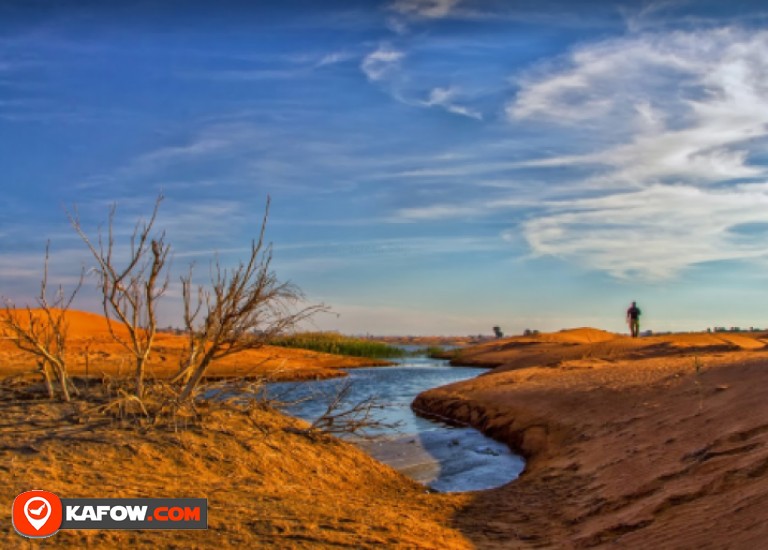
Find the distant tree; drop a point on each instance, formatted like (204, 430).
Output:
(240, 309)
(44, 333)
(497, 332)
(130, 292)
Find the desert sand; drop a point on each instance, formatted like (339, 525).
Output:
(267, 486)
(92, 351)
(631, 443)
(268, 483)
(648, 443)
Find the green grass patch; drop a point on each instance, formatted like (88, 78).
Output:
(333, 342)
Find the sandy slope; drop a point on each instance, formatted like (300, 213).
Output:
(629, 444)
(267, 487)
(92, 350)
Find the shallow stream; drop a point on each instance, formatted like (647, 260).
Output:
(444, 457)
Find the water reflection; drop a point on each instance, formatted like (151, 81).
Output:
(444, 457)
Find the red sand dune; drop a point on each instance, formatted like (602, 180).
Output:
(89, 336)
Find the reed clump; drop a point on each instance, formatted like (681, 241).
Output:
(338, 344)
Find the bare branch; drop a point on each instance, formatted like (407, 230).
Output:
(341, 417)
(130, 293)
(43, 333)
(241, 309)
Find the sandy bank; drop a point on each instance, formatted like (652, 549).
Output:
(92, 351)
(658, 442)
(267, 486)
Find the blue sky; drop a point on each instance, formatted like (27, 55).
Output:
(435, 166)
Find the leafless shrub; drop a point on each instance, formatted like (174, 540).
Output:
(240, 391)
(241, 309)
(130, 293)
(341, 417)
(123, 405)
(44, 333)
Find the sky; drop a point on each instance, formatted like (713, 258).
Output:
(434, 166)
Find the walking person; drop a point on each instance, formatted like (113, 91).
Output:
(633, 319)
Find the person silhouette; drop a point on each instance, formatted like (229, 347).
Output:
(633, 319)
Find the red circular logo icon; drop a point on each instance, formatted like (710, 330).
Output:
(37, 514)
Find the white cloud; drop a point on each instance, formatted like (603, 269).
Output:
(444, 98)
(472, 209)
(653, 233)
(687, 110)
(436, 212)
(610, 78)
(381, 63)
(335, 58)
(430, 9)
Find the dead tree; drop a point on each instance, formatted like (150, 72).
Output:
(43, 333)
(130, 292)
(241, 309)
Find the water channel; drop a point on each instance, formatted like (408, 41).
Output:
(445, 458)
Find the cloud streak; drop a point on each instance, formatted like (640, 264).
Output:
(445, 99)
(654, 233)
(687, 108)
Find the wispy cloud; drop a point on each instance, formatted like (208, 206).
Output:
(208, 143)
(648, 14)
(335, 58)
(313, 258)
(430, 9)
(384, 67)
(445, 98)
(265, 67)
(469, 209)
(684, 113)
(653, 233)
(437, 212)
(202, 146)
(657, 15)
(19, 269)
(382, 62)
(610, 78)
(211, 218)
(687, 109)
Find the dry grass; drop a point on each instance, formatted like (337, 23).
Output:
(266, 485)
